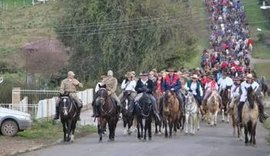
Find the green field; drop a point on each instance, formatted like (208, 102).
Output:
(10, 4)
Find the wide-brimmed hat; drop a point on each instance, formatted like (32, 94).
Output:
(144, 73)
(237, 79)
(110, 73)
(194, 76)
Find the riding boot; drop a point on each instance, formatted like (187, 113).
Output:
(157, 117)
(56, 117)
(95, 113)
(79, 113)
(118, 110)
(240, 107)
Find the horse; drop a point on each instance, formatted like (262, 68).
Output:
(233, 112)
(191, 114)
(264, 87)
(171, 112)
(213, 104)
(158, 124)
(68, 115)
(127, 119)
(226, 95)
(108, 113)
(144, 114)
(250, 114)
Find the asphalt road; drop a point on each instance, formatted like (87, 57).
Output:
(209, 141)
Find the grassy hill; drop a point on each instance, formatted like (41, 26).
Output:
(22, 25)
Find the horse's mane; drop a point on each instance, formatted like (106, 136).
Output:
(250, 97)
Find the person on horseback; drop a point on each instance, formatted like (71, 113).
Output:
(224, 82)
(245, 84)
(209, 87)
(172, 82)
(195, 87)
(235, 90)
(69, 86)
(146, 85)
(128, 85)
(111, 86)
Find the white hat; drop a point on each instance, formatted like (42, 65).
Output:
(249, 76)
(71, 73)
(195, 76)
(110, 73)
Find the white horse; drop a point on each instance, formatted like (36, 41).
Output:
(191, 114)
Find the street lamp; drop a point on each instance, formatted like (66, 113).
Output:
(264, 7)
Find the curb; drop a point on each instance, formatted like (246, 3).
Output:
(34, 148)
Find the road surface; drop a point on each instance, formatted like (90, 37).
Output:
(209, 141)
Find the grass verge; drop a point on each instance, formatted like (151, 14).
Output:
(267, 126)
(262, 69)
(46, 132)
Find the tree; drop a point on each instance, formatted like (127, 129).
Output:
(125, 35)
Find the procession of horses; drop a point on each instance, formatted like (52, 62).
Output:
(181, 98)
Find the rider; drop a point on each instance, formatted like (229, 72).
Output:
(224, 82)
(195, 87)
(245, 84)
(144, 84)
(209, 88)
(69, 85)
(173, 83)
(128, 85)
(235, 90)
(111, 86)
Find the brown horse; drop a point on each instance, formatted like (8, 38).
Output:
(250, 114)
(108, 113)
(225, 100)
(213, 104)
(158, 95)
(171, 112)
(232, 111)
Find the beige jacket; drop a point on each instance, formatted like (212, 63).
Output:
(111, 84)
(70, 85)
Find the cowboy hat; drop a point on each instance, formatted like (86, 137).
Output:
(237, 79)
(194, 76)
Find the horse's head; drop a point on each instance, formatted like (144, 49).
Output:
(251, 94)
(189, 98)
(168, 97)
(64, 104)
(102, 95)
(145, 104)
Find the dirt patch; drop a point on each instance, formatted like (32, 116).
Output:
(11, 145)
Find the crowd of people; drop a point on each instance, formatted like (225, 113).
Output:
(226, 63)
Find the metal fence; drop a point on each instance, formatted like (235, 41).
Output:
(41, 103)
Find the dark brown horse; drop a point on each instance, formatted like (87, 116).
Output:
(158, 124)
(226, 96)
(171, 112)
(108, 113)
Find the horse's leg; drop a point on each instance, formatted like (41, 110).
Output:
(254, 133)
(138, 127)
(100, 129)
(150, 128)
(215, 117)
(222, 114)
(186, 123)
(69, 129)
(170, 126)
(73, 127)
(165, 125)
(246, 134)
(64, 130)
(198, 121)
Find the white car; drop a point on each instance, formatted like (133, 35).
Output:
(13, 121)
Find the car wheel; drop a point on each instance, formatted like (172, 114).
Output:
(9, 128)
